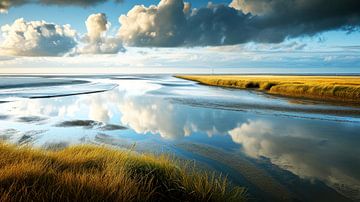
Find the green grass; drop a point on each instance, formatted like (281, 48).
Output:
(90, 173)
(329, 88)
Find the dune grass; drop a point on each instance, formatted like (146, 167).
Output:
(90, 173)
(330, 88)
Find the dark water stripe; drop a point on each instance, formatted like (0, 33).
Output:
(42, 84)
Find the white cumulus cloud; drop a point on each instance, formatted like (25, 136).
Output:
(157, 25)
(37, 38)
(96, 41)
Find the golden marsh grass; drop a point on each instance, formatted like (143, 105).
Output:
(332, 88)
(90, 173)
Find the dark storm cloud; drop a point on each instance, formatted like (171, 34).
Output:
(294, 18)
(6, 4)
(75, 2)
(172, 23)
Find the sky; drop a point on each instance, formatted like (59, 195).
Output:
(272, 36)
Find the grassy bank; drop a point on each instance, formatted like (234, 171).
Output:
(334, 88)
(89, 173)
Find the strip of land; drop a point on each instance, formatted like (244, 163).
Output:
(326, 88)
(90, 173)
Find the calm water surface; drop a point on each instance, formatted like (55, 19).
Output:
(280, 148)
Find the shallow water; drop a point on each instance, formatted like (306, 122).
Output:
(280, 148)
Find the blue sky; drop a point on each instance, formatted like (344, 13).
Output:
(326, 48)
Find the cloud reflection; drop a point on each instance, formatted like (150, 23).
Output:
(308, 148)
(308, 155)
(172, 121)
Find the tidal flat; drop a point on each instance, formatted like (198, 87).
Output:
(276, 148)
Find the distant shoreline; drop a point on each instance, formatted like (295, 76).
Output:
(345, 89)
(115, 73)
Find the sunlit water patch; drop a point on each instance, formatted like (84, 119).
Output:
(280, 148)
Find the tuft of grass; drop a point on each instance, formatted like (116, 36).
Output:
(91, 173)
(329, 88)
